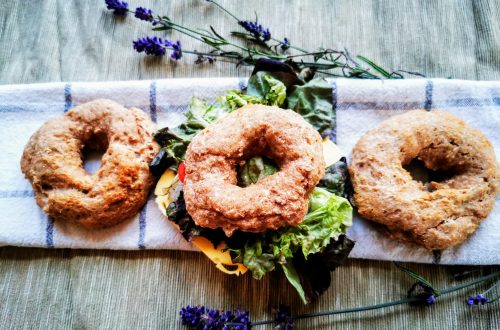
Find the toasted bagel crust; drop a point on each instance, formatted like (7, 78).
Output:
(215, 201)
(52, 161)
(436, 215)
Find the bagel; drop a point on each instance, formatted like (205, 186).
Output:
(52, 161)
(212, 196)
(435, 215)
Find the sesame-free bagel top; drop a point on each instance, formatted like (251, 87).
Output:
(52, 161)
(438, 214)
(212, 196)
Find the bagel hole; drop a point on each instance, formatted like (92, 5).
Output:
(93, 150)
(419, 172)
(257, 169)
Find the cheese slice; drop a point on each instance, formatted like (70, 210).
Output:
(331, 152)
(166, 181)
(220, 257)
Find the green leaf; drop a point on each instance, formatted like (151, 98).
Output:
(269, 89)
(215, 32)
(313, 101)
(418, 277)
(336, 180)
(376, 67)
(161, 28)
(293, 277)
(256, 261)
(255, 169)
(329, 216)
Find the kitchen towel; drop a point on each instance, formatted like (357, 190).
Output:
(359, 105)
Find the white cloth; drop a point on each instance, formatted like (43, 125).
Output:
(360, 105)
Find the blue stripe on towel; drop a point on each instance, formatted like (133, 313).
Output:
(333, 133)
(142, 227)
(49, 232)
(242, 84)
(68, 101)
(428, 95)
(470, 102)
(142, 214)
(379, 105)
(17, 194)
(152, 101)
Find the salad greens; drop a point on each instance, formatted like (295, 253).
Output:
(255, 169)
(313, 101)
(306, 253)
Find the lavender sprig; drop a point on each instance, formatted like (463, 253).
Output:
(325, 61)
(199, 317)
(256, 30)
(408, 300)
(481, 299)
(144, 14)
(118, 7)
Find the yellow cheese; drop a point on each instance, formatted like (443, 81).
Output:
(331, 152)
(220, 257)
(166, 181)
(163, 202)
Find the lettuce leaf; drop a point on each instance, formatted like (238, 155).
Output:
(311, 276)
(329, 216)
(257, 261)
(268, 89)
(313, 101)
(336, 180)
(255, 169)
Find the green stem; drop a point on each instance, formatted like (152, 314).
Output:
(225, 10)
(377, 306)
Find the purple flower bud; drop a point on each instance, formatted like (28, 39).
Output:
(119, 7)
(482, 299)
(285, 44)
(256, 30)
(150, 45)
(177, 53)
(144, 14)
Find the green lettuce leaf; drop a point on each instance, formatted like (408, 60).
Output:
(337, 181)
(255, 169)
(311, 276)
(313, 101)
(268, 89)
(257, 261)
(294, 278)
(329, 216)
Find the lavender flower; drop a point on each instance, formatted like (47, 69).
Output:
(191, 315)
(204, 59)
(285, 44)
(479, 299)
(119, 7)
(177, 53)
(283, 318)
(150, 45)
(144, 14)
(256, 29)
(425, 294)
(199, 317)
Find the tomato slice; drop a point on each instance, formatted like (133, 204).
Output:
(181, 172)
